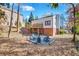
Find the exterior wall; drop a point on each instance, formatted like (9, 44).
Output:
(21, 21)
(47, 29)
(37, 21)
(8, 15)
(58, 21)
(50, 19)
(43, 20)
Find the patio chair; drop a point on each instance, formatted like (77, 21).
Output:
(35, 38)
(45, 40)
(41, 39)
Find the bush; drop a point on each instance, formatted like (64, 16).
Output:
(62, 31)
(77, 30)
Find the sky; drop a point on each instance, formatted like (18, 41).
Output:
(41, 9)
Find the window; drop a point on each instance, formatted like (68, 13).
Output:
(48, 22)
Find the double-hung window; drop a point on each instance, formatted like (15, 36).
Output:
(47, 22)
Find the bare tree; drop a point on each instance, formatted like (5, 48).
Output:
(18, 16)
(11, 21)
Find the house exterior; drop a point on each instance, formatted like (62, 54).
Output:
(48, 25)
(8, 17)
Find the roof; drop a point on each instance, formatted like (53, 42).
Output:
(45, 17)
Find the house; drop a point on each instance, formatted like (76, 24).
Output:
(8, 17)
(48, 25)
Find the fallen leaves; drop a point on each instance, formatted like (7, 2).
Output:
(61, 47)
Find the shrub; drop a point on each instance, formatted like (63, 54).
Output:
(62, 31)
(77, 30)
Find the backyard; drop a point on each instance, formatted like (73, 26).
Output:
(63, 46)
(50, 24)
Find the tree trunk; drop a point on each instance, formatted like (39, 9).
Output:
(11, 21)
(74, 33)
(18, 16)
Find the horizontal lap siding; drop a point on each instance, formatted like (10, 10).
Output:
(50, 31)
(41, 30)
(46, 31)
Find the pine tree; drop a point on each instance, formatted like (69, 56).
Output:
(31, 17)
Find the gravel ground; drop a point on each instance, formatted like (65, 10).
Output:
(61, 47)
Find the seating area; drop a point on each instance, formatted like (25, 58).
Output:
(41, 39)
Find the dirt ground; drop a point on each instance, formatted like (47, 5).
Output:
(61, 47)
